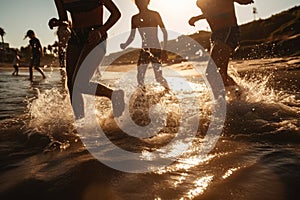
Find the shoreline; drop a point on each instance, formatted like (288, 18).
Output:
(186, 65)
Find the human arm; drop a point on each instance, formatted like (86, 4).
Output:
(131, 36)
(164, 31)
(129, 40)
(193, 20)
(115, 15)
(96, 34)
(18, 58)
(164, 55)
(40, 47)
(244, 2)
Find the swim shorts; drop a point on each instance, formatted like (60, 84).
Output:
(230, 36)
(149, 55)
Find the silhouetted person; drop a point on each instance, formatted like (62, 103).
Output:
(37, 52)
(220, 15)
(16, 63)
(147, 22)
(88, 32)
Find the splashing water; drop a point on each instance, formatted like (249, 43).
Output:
(259, 90)
(51, 115)
(264, 110)
(263, 143)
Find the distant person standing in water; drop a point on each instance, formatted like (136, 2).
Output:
(147, 23)
(88, 32)
(16, 63)
(37, 52)
(220, 15)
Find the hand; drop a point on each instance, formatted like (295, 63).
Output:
(95, 36)
(123, 46)
(192, 21)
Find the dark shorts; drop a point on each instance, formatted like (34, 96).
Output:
(149, 55)
(230, 36)
(79, 36)
(35, 61)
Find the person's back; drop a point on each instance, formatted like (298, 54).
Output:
(218, 13)
(35, 46)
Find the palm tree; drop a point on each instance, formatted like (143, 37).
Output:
(2, 33)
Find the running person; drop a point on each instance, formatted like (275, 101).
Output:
(88, 32)
(147, 23)
(221, 17)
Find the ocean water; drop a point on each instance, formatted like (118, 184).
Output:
(257, 156)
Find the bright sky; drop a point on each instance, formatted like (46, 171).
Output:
(17, 16)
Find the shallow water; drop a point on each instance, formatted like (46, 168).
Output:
(256, 157)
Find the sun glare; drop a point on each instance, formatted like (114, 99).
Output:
(176, 14)
(173, 6)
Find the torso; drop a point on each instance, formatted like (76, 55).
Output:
(219, 14)
(35, 46)
(85, 13)
(147, 24)
(146, 19)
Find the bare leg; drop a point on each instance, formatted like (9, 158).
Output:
(221, 53)
(41, 71)
(30, 73)
(63, 74)
(158, 75)
(88, 60)
(61, 56)
(73, 53)
(85, 69)
(142, 68)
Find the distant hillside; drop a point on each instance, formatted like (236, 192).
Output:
(279, 26)
(278, 35)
